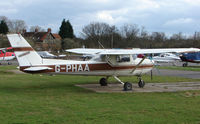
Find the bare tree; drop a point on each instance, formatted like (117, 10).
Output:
(97, 32)
(158, 36)
(38, 28)
(4, 18)
(17, 26)
(95, 29)
(178, 36)
(143, 33)
(130, 35)
(130, 31)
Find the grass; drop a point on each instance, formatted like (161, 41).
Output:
(189, 68)
(35, 99)
(4, 69)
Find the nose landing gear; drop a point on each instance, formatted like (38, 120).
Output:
(141, 83)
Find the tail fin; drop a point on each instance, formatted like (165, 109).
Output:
(25, 54)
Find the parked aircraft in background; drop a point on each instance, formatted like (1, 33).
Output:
(4, 55)
(45, 54)
(193, 57)
(107, 62)
(166, 58)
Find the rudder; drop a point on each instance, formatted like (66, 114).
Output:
(25, 54)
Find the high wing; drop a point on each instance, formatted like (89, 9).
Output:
(86, 51)
(131, 51)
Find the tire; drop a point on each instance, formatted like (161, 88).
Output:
(141, 84)
(103, 82)
(127, 86)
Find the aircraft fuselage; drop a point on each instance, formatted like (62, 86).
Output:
(91, 68)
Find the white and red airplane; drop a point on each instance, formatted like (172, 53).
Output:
(107, 62)
(166, 58)
(4, 55)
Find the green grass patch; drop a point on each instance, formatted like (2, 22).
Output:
(6, 69)
(189, 68)
(43, 99)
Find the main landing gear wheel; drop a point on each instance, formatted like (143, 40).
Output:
(141, 83)
(103, 82)
(127, 86)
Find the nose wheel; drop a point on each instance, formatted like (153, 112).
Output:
(141, 83)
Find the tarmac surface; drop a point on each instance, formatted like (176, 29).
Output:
(149, 87)
(11, 62)
(177, 73)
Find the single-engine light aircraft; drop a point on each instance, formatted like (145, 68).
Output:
(193, 57)
(106, 62)
(166, 58)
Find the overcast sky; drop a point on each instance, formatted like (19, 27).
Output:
(169, 16)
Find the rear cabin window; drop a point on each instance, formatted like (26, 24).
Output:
(123, 58)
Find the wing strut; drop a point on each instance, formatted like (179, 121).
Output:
(139, 64)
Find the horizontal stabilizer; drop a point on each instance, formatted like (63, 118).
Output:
(35, 69)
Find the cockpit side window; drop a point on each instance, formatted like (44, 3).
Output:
(123, 58)
(98, 58)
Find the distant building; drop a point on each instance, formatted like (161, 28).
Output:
(44, 40)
